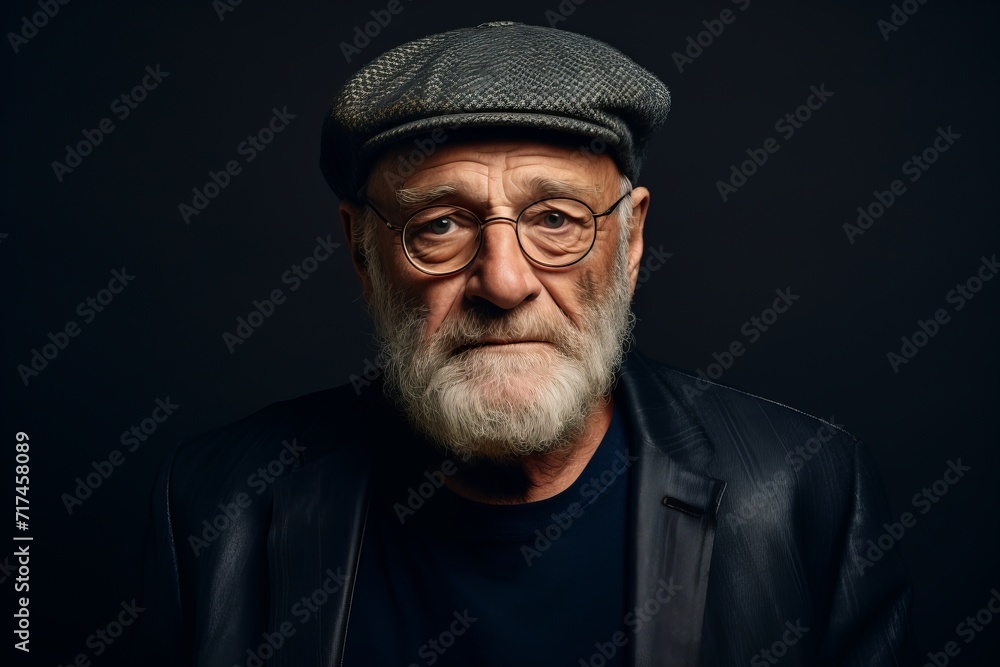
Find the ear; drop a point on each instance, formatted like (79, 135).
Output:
(640, 205)
(351, 216)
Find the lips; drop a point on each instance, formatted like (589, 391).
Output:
(494, 341)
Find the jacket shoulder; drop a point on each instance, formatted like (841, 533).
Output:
(249, 455)
(727, 412)
(213, 498)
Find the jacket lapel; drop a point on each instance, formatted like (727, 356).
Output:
(314, 546)
(317, 530)
(672, 526)
(294, 561)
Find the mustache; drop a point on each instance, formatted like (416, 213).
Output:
(473, 327)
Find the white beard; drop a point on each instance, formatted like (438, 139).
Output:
(501, 403)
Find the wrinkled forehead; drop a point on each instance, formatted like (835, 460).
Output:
(465, 158)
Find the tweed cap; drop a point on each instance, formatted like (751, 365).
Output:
(500, 74)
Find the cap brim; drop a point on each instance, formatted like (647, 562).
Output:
(500, 119)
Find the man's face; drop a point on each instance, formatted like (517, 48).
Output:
(505, 358)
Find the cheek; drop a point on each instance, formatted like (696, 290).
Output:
(440, 303)
(442, 297)
(570, 294)
(402, 278)
(596, 270)
(587, 289)
(393, 259)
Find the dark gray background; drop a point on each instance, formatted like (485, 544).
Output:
(162, 335)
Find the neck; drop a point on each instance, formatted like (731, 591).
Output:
(536, 476)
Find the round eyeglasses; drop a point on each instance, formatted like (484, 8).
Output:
(444, 239)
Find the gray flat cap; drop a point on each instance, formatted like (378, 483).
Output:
(497, 75)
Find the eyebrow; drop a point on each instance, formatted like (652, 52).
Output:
(540, 186)
(543, 186)
(412, 197)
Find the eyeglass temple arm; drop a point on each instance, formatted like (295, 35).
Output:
(363, 198)
(615, 205)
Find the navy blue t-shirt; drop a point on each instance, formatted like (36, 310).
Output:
(457, 582)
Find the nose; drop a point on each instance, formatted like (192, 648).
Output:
(500, 273)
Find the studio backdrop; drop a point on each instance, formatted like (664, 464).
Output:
(822, 232)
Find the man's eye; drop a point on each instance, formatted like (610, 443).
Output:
(553, 219)
(438, 227)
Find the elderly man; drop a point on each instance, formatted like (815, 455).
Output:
(523, 491)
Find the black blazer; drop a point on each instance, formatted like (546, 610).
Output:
(750, 521)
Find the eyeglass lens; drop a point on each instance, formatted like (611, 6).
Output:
(553, 232)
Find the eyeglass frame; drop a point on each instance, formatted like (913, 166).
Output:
(489, 221)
